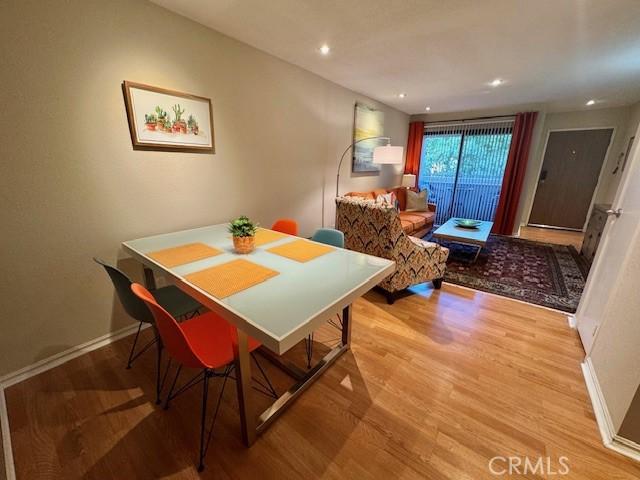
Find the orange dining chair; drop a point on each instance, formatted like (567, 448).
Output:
(285, 225)
(206, 343)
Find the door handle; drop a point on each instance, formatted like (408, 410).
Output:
(617, 212)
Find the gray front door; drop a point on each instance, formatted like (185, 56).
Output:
(570, 170)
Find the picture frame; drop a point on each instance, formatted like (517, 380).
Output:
(367, 122)
(168, 120)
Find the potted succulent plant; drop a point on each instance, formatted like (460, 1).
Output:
(150, 121)
(192, 124)
(244, 232)
(163, 117)
(179, 125)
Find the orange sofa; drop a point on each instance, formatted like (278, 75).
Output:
(416, 224)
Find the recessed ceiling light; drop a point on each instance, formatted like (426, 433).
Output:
(402, 95)
(428, 109)
(325, 49)
(591, 102)
(497, 82)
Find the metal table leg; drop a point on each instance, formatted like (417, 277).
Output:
(243, 385)
(149, 279)
(346, 326)
(249, 429)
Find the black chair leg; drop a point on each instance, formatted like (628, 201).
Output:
(205, 447)
(308, 343)
(334, 324)
(203, 417)
(133, 347)
(173, 385)
(269, 386)
(158, 368)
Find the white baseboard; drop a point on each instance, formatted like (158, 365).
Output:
(605, 424)
(63, 357)
(609, 436)
(626, 447)
(42, 366)
(573, 323)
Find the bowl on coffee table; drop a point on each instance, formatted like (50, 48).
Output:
(467, 223)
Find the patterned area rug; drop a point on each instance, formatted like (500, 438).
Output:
(540, 273)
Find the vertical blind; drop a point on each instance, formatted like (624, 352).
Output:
(462, 166)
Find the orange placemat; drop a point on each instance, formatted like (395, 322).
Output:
(301, 250)
(187, 253)
(264, 235)
(231, 277)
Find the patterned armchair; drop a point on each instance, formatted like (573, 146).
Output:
(376, 229)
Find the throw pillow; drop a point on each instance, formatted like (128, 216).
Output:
(417, 202)
(388, 199)
(401, 195)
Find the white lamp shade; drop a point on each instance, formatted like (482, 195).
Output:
(409, 180)
(388, 154)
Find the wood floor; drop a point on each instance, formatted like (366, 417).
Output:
(550, 235)
(433, 387)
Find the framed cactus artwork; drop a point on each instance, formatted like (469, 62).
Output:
(166, 120)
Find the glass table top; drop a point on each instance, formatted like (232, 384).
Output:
(282, 306)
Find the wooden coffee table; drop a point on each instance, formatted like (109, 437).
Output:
(476, 237)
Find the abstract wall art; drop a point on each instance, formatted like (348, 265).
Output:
(368, 122)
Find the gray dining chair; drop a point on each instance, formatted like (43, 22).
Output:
(172, 299)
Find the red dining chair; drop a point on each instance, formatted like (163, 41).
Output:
(285, 225)
(205, 343)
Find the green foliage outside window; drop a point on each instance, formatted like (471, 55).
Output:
(483, 156)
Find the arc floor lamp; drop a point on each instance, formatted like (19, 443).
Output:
(384, 154)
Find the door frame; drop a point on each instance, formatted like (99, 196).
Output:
(598, 183)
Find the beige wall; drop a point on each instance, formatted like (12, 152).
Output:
(630, 130)
(615, 355)
(619, 118)
(630, 427)
(72, 187)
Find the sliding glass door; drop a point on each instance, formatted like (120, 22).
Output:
(462, 166)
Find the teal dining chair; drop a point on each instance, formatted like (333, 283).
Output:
(329, 236)
(335, 238)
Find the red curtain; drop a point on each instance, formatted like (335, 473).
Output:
(414, 148)
(505, 218)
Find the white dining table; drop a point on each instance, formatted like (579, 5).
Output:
(280, 312)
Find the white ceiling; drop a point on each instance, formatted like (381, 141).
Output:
(558, 53)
